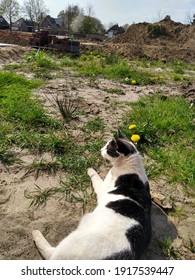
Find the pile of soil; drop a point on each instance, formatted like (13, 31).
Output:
(177, 43)
(12, 54)
(13, 38)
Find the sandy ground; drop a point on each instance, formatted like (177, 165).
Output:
(59, 217)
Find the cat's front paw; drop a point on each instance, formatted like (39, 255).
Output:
(36, 234)
(91, 172)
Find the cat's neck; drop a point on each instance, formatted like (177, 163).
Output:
(132, 164)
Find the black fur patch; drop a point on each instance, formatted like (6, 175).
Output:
(119, 146)
(138, 208)
(112, 149)
(130, 209)
(139, 240)
(125, 147)
(131, 186)
(123, 255)
(139, 237)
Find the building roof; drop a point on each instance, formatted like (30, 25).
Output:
(3, 21)
(54, 21)
(116, 28)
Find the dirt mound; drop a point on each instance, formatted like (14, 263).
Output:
(14, 38)
(163, 40)
(12, 54)
(156, 34)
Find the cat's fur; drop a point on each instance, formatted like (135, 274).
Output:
(120, 225)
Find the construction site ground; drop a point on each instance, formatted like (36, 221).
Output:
(58, 217)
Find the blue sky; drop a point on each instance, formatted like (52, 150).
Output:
(128, 11)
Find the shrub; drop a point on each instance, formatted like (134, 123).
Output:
(157, 30)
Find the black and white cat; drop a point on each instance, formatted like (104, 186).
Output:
(120, 225)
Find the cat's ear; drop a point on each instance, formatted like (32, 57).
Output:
(121, 135)
(125, 147)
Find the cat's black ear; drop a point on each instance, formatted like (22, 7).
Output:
(121, 135)
(125, 147)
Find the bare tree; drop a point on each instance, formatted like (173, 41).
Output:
(88, 22)
(160, 15)
(90, 10)
(35, 10)
(10, 10)
(125, 26)
(111, 24)
(189, 17)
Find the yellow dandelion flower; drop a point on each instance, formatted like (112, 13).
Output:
(135, 138)
(133, 82)
(132, 126)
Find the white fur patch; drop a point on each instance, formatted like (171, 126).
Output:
(99, 235)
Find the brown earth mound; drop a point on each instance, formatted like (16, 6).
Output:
(14, 38)
(177, 42)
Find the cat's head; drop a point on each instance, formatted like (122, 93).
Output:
(118, 147)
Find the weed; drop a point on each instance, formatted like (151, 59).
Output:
(177, 212)
(115, 67)
(93, 82)
(66, 105)
(40, 59)
(8, 158)
(191, 246)
(68, 61)
(157, 30)
(39, 197)
(177, 77)
(117, 91)
(43, 166)
(41, 64)
(94, 125)
(76, 189)
(167, 248)
(94, 145)
(112, 59)
(11, 67)
(24, 122)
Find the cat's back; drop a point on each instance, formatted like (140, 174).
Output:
(135, 205)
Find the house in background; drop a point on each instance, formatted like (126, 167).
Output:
(3, 23)
(114, 30)
(49, 22)
(23, 25)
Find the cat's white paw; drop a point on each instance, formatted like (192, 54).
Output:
(36, 234)
(91, 172)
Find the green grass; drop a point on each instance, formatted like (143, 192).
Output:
(17, 104)
(39, 63)
(166, 128)
(94, 125)
(171, 71)
(43, 166)
(115, 67)
(115, 91)
(24, 122)
(167, 248)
